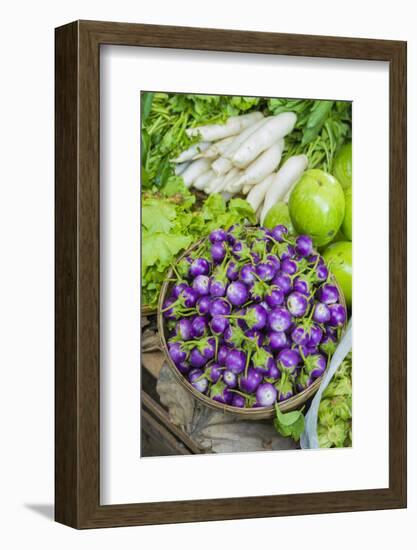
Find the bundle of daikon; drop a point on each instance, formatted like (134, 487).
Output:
(241, 156)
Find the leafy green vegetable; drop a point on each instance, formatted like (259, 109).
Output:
(157, 215)
(146, 104)
(322, 128)
(289, 424)
(171, 222)
(334, 428)
(165, 117)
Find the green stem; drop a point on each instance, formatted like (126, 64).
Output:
(248, 356)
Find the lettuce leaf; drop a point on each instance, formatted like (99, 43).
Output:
(334, 427)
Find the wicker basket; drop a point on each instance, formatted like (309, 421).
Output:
(290, 404)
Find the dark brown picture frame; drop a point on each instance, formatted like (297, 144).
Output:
(77, 373)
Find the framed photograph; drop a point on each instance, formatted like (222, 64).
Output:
(230, 274)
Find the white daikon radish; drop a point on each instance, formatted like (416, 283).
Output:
(216, 149)
(233, 126)
(290, 172)
(264, 165)
(192, 151)
(239, 139)
(231, 175)
(288, 193)
(214, 184)
(218, 186)
(259, 211)
(269, 133)
(246, 188)
(257, 193)
(221, 166)
(202, 181)
(231, 186)
(196, 168)
(180, 168)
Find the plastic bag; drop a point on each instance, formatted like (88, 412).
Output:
(309, 439)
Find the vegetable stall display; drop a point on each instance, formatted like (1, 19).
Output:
(215, 166)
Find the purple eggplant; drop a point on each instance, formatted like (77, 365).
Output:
(283, 281)
(218, 236)
(232, 271)
(183, 329)
(236, 361)
(256, 317)
(198, 327)
(184, 367)
(315, 365)
(219, 324)
(279, 319)
(300, 336)
(220, 306)
(230, 379)
(200, 266)
(278, 340)
(255, 257)
(168, 311)
(302, 284)
(190, 296)
(289, 359)
(201, 285)
(222, 354)
(217, 287)
(218, 252)
(237, 293)
(214, 372)
(266, 271)
(176, 353)
(289, 266)
(321, 313)
(220, 392)
(304, 245)
(266, 395)
(238, 401)
(297, 304)
(197, 359)
(287, 251)
(305, 351)
(177, 289)
(208, 348)
(328, 294)
(275, 261)
(247, 274)
(274, 297)
(197, 380)
(322, 272)
(337, 315)
(249, 383)
(315, 336)
(273, 372)
(279, 233)
(203, 305)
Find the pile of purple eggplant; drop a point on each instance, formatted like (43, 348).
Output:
(253, 316)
